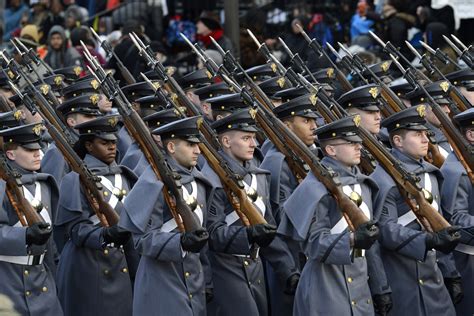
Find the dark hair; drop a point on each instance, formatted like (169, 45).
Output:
(400, 132)
(80, 145)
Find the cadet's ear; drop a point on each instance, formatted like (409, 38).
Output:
(10, 155)
(397, 141)
(225, 141)
(171, 147)
(470, 135)
(330, 150)
(71, 121)
(88, 146)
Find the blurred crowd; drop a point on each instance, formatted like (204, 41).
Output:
(55, 28)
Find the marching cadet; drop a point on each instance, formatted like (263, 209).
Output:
(237, 269)
(364, 101)
(195, 80)
(299, 117)
(93, 275)
(335, 279)
(75, 111)
(458, 205)
(417, 97)
(27, 255)
(170, 278)
(408, 251)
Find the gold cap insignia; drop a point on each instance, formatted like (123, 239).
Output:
(94, 98)
(209, 75)
(95, 84)
(253, 113)
(44, 89)
(11, 74)
(17, 115)
(444, 86)
(156, 84)
(77, 70)
(357, 119)
(274, 67)
(174, 97)
(170, 70)
(421, 109)
(330, 72)
(112, 121)
(281, 82)
(199, 122)
(58, 80)
(374, 92)
(37, 129)
(385, 66)
(313, 99)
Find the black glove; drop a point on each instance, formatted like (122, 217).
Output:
(445, 240)
(209, 291)
(365, 235)
(116, 235)
(382, 304)
(292, 284)
(38, 233)
(455, 289)
(194, 241)
(261, 234)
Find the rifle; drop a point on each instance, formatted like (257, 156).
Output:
(463, 150)
(172, 190)
(440, 55)
(26, 213)
(111, 53)
(296, 148)
(465, 54)
(319, 51)
(345, 61)
(462, 104)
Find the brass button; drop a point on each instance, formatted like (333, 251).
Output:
(353, 302)
(124, 270)
(420, 281)
(106, 252)
(246, 262)
(186, 274)
(44, 289)
(258, 281)
(28, 293)
(190, 296)
(349, 279)
(369, 301)
(26, 272)
(106, 272)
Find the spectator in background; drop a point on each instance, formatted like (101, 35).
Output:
(209, 25)
(55, 16)
(294, 40)
(396, 24)
(127, 52)
(59, 54)
(361, 24)
(82, 33)
(12, 17)
(433, 36)
(39, 14)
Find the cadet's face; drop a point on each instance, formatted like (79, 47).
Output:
(30, 118)
(370, 119)
(78, 118)
(468, 94)
(184, 152)
(104, 105)
(202, 28)
(104, 150)
(303, 127)
(239, 145)
(348, 153)
(414, 144)
(28, 159)
(193, 97)
(431, 117)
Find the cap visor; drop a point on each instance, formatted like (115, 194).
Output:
(248, 129)
(354, 139)
(108, 136)
(32, 146)
(193, 139)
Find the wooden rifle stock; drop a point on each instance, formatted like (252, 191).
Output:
(27, 215)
